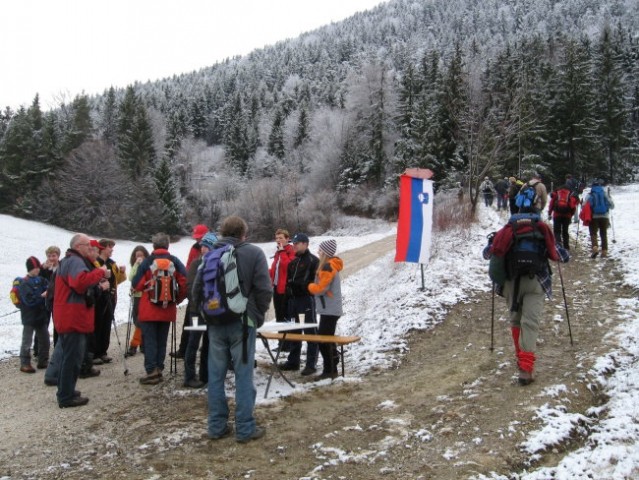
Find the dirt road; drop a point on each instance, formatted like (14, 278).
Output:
(451, 409)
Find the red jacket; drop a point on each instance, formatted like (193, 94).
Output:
(74, 277)
(280, 265)
(149, 312)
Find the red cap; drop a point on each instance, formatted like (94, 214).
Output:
(199, 231)
(98, 245)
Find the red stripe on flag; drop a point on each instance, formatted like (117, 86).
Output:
(403, 223)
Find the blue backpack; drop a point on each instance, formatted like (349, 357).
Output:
(598, 201)
(223, 301)
(526, 197)
(527, 255)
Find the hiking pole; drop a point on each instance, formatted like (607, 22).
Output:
(117, 337)
(563, 290)
(128, 325)
(577, 236)
(492, 321)
(612, 225)
(174, 349)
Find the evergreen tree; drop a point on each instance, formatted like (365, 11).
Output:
(168, 195)
(109, 119)
(301, 134)
(276, 138)
(136, 149)
(79, 126)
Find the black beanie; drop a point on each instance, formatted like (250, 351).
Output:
(33, 262)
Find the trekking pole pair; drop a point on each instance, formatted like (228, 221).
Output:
(117, 336)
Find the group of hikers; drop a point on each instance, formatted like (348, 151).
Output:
(520, 252)
(229, 287)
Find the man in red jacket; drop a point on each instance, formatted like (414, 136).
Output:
(73, 314)
(156, 317)
(283, 256)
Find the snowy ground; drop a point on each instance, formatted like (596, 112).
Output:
(386, 314)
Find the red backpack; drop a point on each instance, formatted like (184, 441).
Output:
(564, 202)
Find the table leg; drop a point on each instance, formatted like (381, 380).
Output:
(275, 367)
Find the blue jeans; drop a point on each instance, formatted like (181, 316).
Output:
(191, 355)
(155, 336)
(225, 340)
(52, 373)
(305, 306)
(72, 346)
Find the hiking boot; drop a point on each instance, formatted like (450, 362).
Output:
(131, 351)
(259, 432)
(97, 361)
(286, 367)
(604, 253)
(75, 402)
(525, 378)
(177, 354)
(92, 372)
(27, 369)
(326, 375)
(106, 359)
(42, 365)
(595, 252)
(150, 380)
(308, 371)
(193, 383)
(225, 433)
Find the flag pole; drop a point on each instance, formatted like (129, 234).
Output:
(422, 268)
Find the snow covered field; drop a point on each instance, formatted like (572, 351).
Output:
(398, 306)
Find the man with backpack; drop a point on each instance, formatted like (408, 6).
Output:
(28, 295)
(563, 204)
(520, 272)
(600, 206)
(233, 288)
(488, 191)
(162, 279)
(533, 195)
(501, 187)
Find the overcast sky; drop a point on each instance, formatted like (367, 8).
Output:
(60, 48)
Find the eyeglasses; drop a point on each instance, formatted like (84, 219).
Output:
(83, 245)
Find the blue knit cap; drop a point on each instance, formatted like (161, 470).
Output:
(209, 240)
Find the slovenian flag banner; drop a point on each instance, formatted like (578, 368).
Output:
(415, 220)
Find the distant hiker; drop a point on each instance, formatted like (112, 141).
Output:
(28, 294)
(195, 337)
(487, 189)
(301, 272)
(513, 189)
(138, 254)
(161, 277)
(194, 253)
(73, 315)
(326, 288)
(563, 204)
(532, 196)
(284, 254)
(501, 187)
(519, 255)
(105, 304)
(234, 341)
(577, 188)
(600, 205)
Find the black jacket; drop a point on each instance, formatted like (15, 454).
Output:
(301, 272)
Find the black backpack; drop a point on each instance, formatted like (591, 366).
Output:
(528, 255)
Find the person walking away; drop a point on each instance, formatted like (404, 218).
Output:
(195, 336)
(501, 187)
(513, 189)
(73, 315)
(326, 288)
(301, 272)
(519, 254)
(138, 254)
(488, 191)
(284, 254)
(562, 206)
(162, 279)
(600, 206)
(227, 340)
(540, 197)
(28, 294)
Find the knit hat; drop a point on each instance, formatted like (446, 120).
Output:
(209, 240)
(199, 231)
(328, 247)
(33, 262)
(300, 237)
